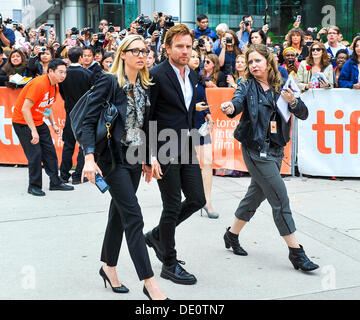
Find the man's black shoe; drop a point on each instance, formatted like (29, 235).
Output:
(61, 187)
(152, 242)
(176, 273)
(36, 191)
(78, 180)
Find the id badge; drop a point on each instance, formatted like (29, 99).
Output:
(47, 112)
(273, 127)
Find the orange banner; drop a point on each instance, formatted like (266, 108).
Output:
(227, 150)
(11, 151)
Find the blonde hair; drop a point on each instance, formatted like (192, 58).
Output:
(118, 66)
(274, 76)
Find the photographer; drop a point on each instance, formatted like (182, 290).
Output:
(7, 36)
(245, 29)
(202, 29)
(39, 60)
(228, 52)
(203, 46)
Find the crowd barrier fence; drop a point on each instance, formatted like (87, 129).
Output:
(326, 144)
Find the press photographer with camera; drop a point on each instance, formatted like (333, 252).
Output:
(228, 52)
(39, 60)
(7, 36)
(245, 29)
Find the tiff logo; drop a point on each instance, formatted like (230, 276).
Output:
(322, 128)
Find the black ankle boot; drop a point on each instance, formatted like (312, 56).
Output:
(232, 240)
(299, 259)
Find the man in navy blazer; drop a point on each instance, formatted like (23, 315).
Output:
(76, 84)
(174, 164)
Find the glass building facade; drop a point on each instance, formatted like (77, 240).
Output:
(282, 13)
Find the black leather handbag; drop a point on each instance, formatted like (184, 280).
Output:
(106, 120)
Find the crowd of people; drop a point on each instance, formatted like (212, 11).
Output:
(173, 95)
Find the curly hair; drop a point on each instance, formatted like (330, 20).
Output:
(324, 57)
(291, 33)
(274, 76)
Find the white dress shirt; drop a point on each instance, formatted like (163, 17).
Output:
(186, 86)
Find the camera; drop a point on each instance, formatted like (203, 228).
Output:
(315, 29)
(291, 62)
(101, 37)
(201, 43)
(247, 23)
(229, 40)
(144, 22)
(160, 14)
(123, 33)
(74, 30)
(140, 31)
(111, 28)
(87, 30)
(42, 49)
(168, 23)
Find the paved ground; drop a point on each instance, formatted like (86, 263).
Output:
(50, 246)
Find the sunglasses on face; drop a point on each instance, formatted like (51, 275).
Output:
(136, 52)
(316, 49)
(207, 61)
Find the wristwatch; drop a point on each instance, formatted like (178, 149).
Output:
(293, 104)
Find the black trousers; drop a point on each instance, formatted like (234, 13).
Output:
(44, 152)
(125, 216)
(178, 178)
(266, 183)
(67, 154)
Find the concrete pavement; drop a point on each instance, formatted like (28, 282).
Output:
(50, 246)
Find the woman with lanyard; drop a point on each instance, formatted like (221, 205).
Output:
(131, 95)
(263, 134)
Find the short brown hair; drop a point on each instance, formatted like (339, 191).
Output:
(175, 30)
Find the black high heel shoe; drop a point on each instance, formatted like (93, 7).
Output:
(299, 260)
(121, 289)
(232, 240)
(148, 295)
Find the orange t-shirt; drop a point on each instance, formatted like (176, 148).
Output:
(42, 94)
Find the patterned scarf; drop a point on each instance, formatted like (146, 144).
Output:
(135, 112)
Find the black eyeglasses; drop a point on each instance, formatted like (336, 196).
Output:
(316, 49)
(136, 52)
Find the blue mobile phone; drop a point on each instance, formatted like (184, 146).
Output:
(101, 183)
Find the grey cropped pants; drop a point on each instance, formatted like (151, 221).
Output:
(266, 183)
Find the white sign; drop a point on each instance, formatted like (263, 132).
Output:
(328, 141)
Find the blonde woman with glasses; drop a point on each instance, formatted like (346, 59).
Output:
(133, 103)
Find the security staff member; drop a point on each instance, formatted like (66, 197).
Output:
(33, 103)
(76, 84)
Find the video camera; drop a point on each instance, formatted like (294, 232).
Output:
(168, 23)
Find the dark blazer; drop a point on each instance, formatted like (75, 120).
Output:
(98, 98)
(168, 105)
(96, 72)
(75, 85)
